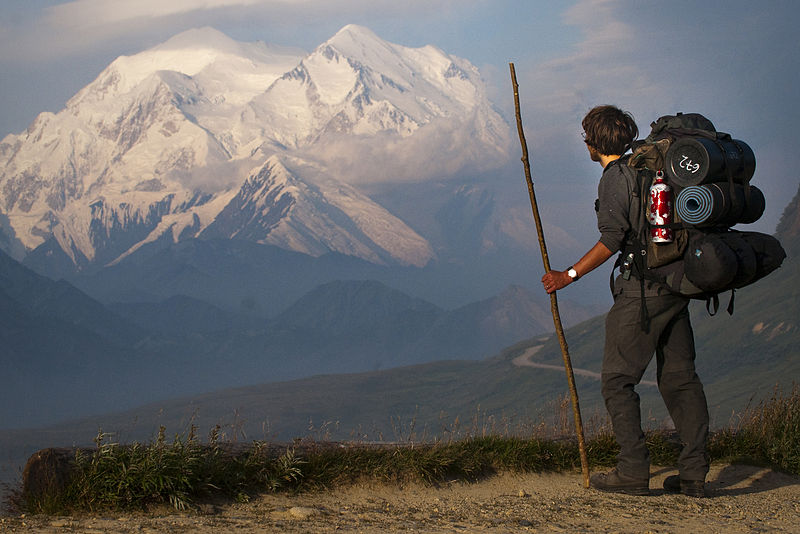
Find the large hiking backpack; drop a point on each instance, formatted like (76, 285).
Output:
(709, 173)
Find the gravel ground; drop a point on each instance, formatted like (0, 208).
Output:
(741, 499)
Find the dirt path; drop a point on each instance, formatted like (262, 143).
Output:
(742, 499)
(524, 360)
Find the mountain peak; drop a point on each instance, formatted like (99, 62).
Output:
(360, 44)
(187, 53)
(354, 31)
(197, 50)
(352, 38)
(204, 37)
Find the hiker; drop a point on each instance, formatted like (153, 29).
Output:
(630, 342)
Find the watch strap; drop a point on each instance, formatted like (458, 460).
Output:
(572, 273)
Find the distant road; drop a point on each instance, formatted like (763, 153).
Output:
(524, 360)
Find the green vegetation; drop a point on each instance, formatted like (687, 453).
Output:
(186, 471)
(767, 435)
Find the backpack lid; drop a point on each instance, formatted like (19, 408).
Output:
(683, 122)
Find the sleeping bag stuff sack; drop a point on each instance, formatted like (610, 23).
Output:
(718, 261)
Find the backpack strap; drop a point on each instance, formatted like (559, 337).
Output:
(635, 246)
(730, 302)
(712, 303)
(617, 263)
(735, 201)
(644, 316)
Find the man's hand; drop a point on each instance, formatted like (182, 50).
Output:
(555, 280)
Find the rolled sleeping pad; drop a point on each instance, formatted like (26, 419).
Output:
(699, 160)
(712, 205)
(754, 206)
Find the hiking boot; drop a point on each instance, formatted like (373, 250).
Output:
(692, 488)
(617, 482)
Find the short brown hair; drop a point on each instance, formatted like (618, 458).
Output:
(609, 130)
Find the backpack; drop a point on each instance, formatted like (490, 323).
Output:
(709, 173)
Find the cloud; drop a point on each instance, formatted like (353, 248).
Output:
(441, 148)
(660, 58)
(92, 13)
(739, 67)
(604, 67)
(97, 13)
(80, 26)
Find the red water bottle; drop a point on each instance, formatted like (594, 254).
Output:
(659, 210)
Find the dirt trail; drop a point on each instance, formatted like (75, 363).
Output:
(524, 360)
(741, 499)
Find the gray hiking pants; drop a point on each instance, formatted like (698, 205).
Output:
(628, 351)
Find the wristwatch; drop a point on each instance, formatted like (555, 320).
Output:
(572, 273)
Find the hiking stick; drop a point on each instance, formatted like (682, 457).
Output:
(576, 410)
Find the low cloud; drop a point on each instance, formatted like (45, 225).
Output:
(442, 148)
(216, 176)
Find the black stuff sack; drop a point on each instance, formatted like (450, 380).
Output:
(719, 261)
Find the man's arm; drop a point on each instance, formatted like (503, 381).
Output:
(555, 280)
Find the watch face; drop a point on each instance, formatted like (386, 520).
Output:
(572, 273)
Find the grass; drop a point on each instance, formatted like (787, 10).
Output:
(186, 471)
(766, 435)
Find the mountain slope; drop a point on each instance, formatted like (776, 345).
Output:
(61, 351)
(233, 274)
(357, 308)
(66, 354)
(788, 229)
(740, 359)
(38, 296)
(274, 206)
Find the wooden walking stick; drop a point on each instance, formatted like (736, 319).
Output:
(576, 410)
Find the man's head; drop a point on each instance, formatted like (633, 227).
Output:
(607, 130)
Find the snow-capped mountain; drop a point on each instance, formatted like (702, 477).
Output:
(203, 136)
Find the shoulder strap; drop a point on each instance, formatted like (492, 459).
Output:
(637, 242)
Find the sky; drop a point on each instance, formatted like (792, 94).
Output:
(737, 62)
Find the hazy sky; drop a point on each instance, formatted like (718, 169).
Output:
(735, 61)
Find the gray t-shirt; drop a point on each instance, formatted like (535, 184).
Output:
(615, 194)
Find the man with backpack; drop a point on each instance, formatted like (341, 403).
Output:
(646, 318)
